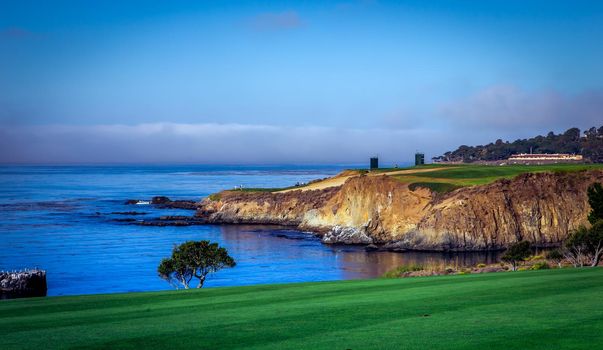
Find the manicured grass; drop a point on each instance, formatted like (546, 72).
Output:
(455, 176)
(552, 309)
(441, 187)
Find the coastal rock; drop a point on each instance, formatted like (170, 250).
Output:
(22, 284)
(172, 220)
(371, 248)
(540, 207)
(346, 235)
(237, 207)
(165, 202)
(160, 200)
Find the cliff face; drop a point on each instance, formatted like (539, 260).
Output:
(540, 207)
(235, 207)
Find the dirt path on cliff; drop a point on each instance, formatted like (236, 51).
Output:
(339, 180)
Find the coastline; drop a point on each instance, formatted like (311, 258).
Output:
(379, 210)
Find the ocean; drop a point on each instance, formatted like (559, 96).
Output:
(68, 220)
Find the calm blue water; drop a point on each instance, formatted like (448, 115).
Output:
(60, 219)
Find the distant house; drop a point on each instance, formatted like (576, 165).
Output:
(545, 158)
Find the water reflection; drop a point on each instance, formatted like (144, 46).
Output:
(352, 262)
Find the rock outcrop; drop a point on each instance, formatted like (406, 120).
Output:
(539, 207)
(23, 284)
(164, 202)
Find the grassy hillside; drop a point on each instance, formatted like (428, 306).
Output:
(554, 309)
(450, 177)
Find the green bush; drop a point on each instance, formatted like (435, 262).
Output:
(537, 257)
(481, 265)
(516, 252)
(398, 271)
(541, 265)
(215, 197)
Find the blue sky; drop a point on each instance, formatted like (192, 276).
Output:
(287, 81)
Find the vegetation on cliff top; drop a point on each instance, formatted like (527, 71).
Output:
(451, 177)
(590, 146)
(441, 178)
(547, 309)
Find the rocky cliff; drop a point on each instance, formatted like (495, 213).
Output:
(540, 207)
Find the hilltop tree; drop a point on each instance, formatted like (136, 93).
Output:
(517, 252)
(595, 199)
(193, 259)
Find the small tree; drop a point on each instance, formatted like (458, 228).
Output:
(574, 248)
(517, 252)
(595, 242)
(555, 256)
(595, 199)
(193, 259)
(584, 246)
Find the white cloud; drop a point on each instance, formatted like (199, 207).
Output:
(212, 143)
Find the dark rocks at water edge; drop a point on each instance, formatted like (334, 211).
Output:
(172, 220)
(128, 213)
(165, 202)
(22, 284)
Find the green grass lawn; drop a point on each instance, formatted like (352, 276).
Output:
(454, 176)
(552, 309)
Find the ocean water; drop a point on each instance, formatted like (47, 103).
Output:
(63, 219)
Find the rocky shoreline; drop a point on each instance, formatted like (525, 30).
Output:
(384, 214)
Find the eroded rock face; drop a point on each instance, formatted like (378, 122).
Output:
(236, 207)
(541, 208)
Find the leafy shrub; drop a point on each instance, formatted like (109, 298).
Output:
(523, 268)
(481, 265)
(537, 257)
(516, 252)
(541, 265)
(398, 271)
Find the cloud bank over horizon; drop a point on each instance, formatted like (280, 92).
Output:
(290, 82)
(504, 112)
(205, 143)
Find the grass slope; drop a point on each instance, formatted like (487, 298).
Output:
(554, 309)
(455, 176)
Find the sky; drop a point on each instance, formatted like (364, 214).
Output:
(259, 82)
